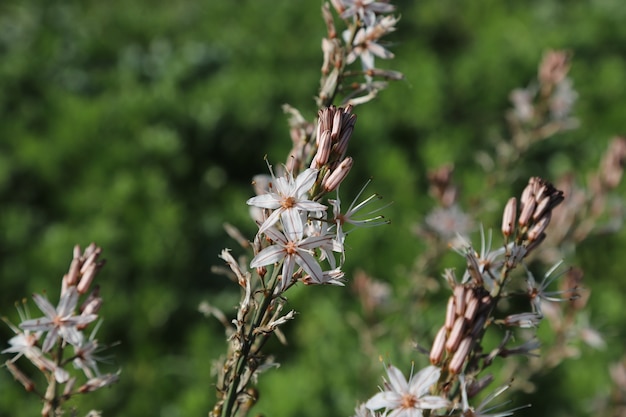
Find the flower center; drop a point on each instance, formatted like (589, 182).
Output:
(288, 202)
(408, 401)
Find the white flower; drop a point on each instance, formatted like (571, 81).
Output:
(289, 200)
(366, 10)
(365, 43)
(60, 321)
(408, 399)
(291, 250)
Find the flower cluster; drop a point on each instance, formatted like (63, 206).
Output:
(458, 354)
(367, 22)
(300, 238)
(544, 108)
(44, 340)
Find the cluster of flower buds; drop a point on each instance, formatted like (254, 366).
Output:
(538, 200)
(470, 308)
(334, 130)
(467, 312)
(295, 221)
(367, 23)
(63, 327)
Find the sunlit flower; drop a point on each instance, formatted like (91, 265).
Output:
(408, 399)
(288, 201)
(60, 321)
(291, 250)
(365, 43)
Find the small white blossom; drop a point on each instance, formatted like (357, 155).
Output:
(408, 399)
(290, 251)
(288, 201)
(60, 321)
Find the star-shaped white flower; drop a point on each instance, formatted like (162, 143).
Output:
(291, 251)
(408, 399)
(60, 321)
(289, 200)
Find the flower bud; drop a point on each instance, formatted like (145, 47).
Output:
(508, 218)
(455, 334)
(338, 175)
(457, 361)
(436, 352)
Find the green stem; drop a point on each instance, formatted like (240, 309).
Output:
(247, 343)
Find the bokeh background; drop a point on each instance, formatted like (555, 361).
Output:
(138, 125)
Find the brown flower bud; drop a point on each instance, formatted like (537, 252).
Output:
(458, 359)
(508, 217)
(455, 334)
(450, 314)
(436, 352)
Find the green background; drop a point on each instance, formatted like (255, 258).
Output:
(138, 125)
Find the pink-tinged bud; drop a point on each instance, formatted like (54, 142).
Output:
(338, 175)
(457, 361)
(538, 228)
(90, 249)
(450, 314)
(527, 212)
(93, 303)
(459, 299)
(455, 334)
(436, 352)
(336, 124)
(88, 276)
(534, 243)
(508, 218)
(72, 275)
(323, 150)
(471, 310)
(341, 146)
(20, 376)
(542, 207)
(90, 260)
(528, 194)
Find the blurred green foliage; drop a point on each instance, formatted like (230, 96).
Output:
(138, 125)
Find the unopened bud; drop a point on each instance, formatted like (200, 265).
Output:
(341, 146)
(450, 314)
(72, 275)
(338, 175)
(323, 150)
(436, 352)
(93, 303)
(534, 243)
(458, 359)
(471, 310)
(20, 376)
(508, 218)
(455, 334)
(527, 212)
(87, 279)
(538, 228)
(459, 299)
